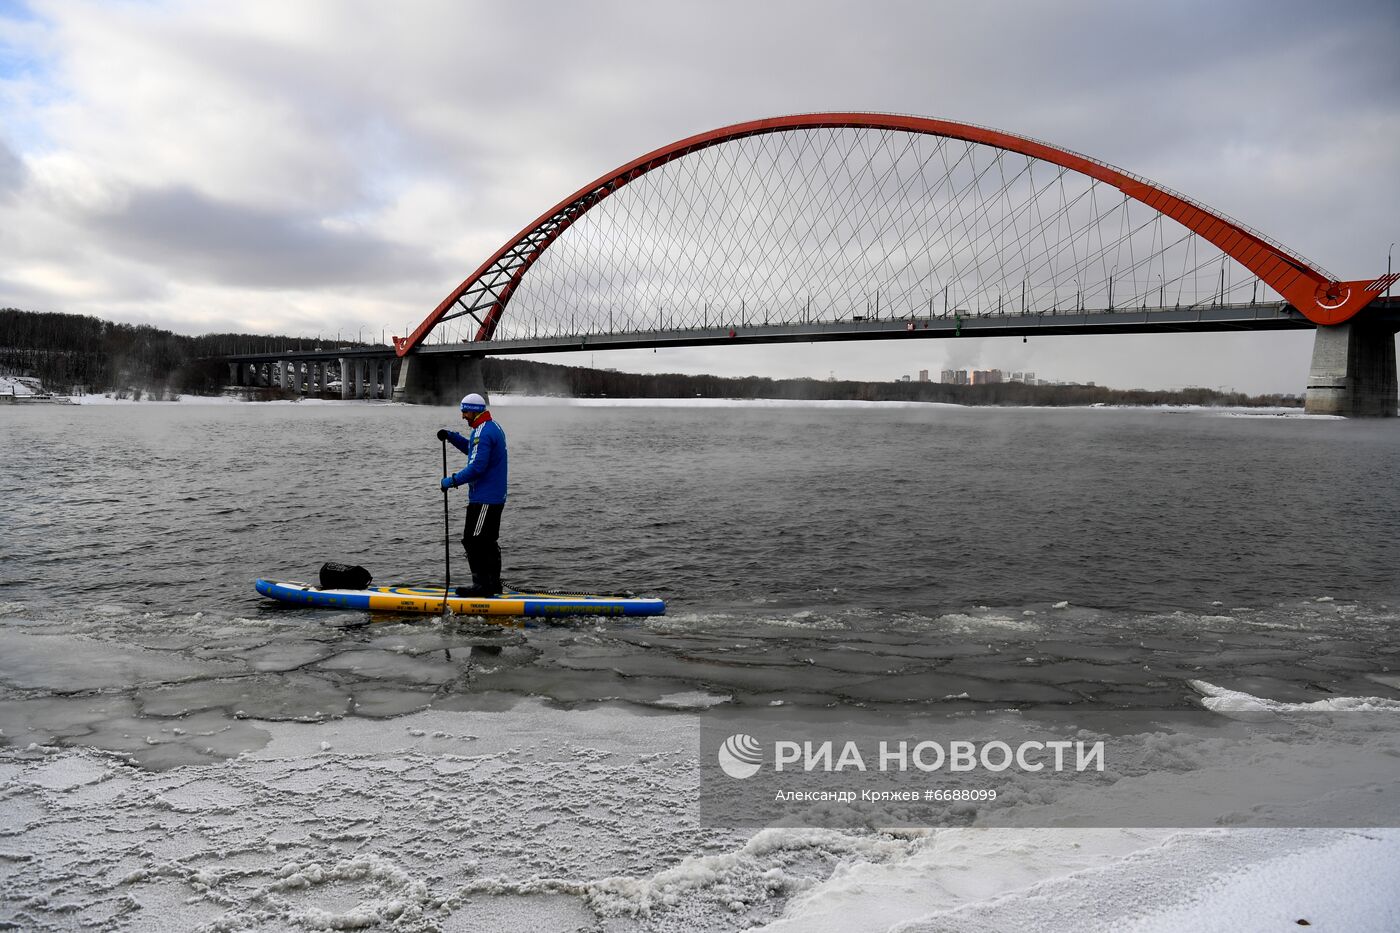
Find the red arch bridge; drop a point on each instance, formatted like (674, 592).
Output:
(858, 226)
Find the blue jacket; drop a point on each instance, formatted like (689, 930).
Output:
(485, 471)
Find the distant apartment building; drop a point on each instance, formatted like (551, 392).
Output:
(923, 375)
(982, 377)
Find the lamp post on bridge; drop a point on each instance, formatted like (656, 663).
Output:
(1387, 269)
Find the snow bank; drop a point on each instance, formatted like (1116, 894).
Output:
(550, 818)
(1221, 700)
(510, 400)
(20, 385)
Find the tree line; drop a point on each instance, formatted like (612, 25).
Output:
(72, 350)
(68, 350)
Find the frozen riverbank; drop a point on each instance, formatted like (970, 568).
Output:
(542, 818)
(180, 772)
(24, 390)
(181, 754)
(506, 400)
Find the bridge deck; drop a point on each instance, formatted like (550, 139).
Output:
(1242, 317)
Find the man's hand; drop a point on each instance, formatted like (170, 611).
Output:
(446, 483)
(442, 434)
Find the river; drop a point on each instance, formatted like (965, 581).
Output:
(815, 557)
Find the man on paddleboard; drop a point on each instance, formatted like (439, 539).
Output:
(485, 474)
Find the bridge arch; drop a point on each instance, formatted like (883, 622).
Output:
(1313, 291)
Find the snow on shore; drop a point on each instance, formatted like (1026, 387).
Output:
(27, 389)
(506, 400)
(555, 819)
(19, 385)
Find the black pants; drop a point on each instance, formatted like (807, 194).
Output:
(479, 538)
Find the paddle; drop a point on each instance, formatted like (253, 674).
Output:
(446, 536)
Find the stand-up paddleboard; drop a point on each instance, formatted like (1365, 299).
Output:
(429, 600)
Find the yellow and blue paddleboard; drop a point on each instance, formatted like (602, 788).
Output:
(428, 600)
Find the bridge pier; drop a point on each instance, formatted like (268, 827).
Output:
(439, 380)
(1353, 370)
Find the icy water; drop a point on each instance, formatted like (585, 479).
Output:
(813, 556)
(174, 746)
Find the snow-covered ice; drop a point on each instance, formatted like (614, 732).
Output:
(534, 816)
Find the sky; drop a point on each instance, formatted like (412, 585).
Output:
(332, 167)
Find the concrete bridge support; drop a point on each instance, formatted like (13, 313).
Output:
(1353, 370)
(378, 380)
(360, 378)
(439, 380)
(388, 382)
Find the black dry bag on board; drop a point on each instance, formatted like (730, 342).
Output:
(343, 577)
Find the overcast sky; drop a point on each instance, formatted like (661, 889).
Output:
(321, 167)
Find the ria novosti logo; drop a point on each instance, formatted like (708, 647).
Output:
(740, 756)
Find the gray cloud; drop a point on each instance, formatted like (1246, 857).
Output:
(247, 247)
(12, 171)
(456, 127)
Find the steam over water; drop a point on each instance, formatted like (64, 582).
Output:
(825, 558)
(810, 555)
